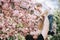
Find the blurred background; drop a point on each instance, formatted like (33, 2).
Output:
(53, 6)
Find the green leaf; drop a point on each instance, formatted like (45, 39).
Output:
(1, 32)
(11, 38)
(19, 37)
(19, 25)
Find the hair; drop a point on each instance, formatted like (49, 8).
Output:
(29, 37)
(38, 4)
(40, 37)
(41, 23)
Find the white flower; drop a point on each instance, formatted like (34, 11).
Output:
(15, 13)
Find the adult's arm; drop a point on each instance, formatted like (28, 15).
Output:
(45, 27)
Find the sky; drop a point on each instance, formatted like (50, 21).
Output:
(49, 3)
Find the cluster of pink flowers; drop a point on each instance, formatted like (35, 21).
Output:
(16, 18)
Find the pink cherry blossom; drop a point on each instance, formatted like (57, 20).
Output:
(5, 6)
(16, 0)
